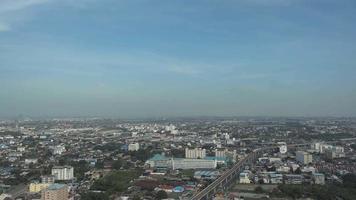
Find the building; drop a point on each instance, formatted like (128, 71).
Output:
(282, 147)
(226, 154)
(47, 179)
(221, 153)
(133, 146)
(55, 192)
(182, 163)
(332, 154)
(63, 173)
(244, 178)
(37, 187)
(206, 174)
(31, 160)
(293, 179)
(159, 161)
(319, 178)
(304, 157)
(195, 153)
(58, 150)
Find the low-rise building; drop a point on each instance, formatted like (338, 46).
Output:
(55, 192)
(304, 157)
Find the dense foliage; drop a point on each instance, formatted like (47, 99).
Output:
(346, 191)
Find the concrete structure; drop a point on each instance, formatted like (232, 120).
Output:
(319, 178)
(63, 173)
(304, 157)
(195, 153)
(4, 196)
(58, 150)
(31, 160)
(47, 179)
(55, 192)
(159, 161)
(206, 174)
(133, 146)
(244, 178)
(282, 147)
(37, 187)
(181, 163)
(228, 177)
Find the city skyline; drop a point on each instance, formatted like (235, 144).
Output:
(137, 58)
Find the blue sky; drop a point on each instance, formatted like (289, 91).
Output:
(153, 58)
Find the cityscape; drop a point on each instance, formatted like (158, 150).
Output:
(178, 158)
(177, 100)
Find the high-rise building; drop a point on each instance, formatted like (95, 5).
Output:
(195, 153)
(63, 173)
(55, 192)
(304, 157)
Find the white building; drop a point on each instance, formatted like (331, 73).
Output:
(181, 163)
(63, 172)
(195, 153)
(319, 178)
(304, 157)
(244, 178)
(134, 146)
(31, 160)
(282, 147)
(58, 150)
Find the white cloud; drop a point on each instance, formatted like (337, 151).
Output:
(15, 5)
(10, 10)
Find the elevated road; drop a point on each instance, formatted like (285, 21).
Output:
(230, 176)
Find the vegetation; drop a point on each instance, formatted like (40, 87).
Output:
(116, 181)
(344, 191)
(142, 154)
(161, 195)
(94, 196)
(353, 146)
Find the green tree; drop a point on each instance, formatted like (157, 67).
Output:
(161, 194)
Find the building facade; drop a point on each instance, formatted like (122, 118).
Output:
(195, 153)
(55, 192)
(63, 173)
(304, 157)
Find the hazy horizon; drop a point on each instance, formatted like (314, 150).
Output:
(142, 59)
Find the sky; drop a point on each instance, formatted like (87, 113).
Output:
(163, 58)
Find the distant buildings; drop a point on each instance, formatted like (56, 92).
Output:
(304, 157)
(226, 154)
(133, 146)
(195, 153)
(55, 192)
(63, 173)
